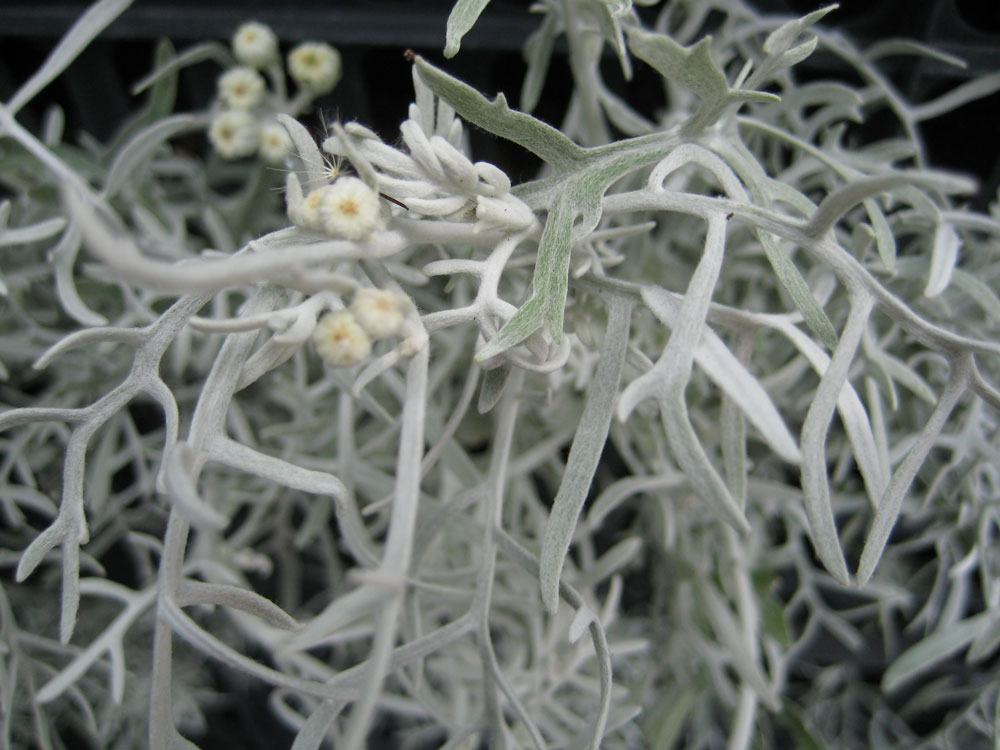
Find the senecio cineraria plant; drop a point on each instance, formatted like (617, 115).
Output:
(690, 441)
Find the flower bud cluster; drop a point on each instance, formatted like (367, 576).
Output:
(245, 121)
(434, 177)
(344, 338)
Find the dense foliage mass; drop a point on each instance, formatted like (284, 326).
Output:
(689, 441)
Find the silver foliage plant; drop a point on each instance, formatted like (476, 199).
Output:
(691, 440)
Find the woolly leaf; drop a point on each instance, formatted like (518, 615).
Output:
(588, 444)
(460, 21)
(944, 256)
(693, 68)
(538, 55)
(496, 117)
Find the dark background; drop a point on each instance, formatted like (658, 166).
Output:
(376, 89)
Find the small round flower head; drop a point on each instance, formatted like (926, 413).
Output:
(275, 143)
(340, 341)
(349, 208)
(379, 311)
(241, 88)
(255, 45)
(315, 66)
(306, 213)
(233, 133)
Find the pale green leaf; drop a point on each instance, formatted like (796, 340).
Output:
(885, 240)
(191, 56)
(141, 147)
(164, 94)
(799, 53)
(97, 18)
(891, 47)
(978, 291)
(802, 297)
(781, 39)
(726, 371)
(584, 454)
(537, 54)
(314, 732)
(32, 233)
(496, 117)
(610, 562)
(460, 21)
(551, 281)
(944, 256)
(693, 68)
(892, 501)
(494, 382)
(308, 152)
(934, 649)
(668, 717)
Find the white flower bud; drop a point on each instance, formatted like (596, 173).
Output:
(275, 143)
(234, 134)
(505, 214)
(255, 44)
(493, 176)
(305, 213)
(349, 208)
(340, 341)
(241, 88)
(315, 66)
(379, 311)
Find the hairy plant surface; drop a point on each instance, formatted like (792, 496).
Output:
(689, 441)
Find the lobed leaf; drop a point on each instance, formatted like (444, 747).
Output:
(694, 69)
(547, 143)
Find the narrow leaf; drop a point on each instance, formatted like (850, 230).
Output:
(781, 39)
(551, 281)
(226, 595)
(313, 733)
(139, 148)
(933, 649)
(461, 19)
(944, 256)
(726, 371)
(32, 233)
(191, 56)
(494, 382)
(978, 291)
(802, 297)
(885, 240)
(892, 502)
(308, 152)
(584, 454)
(537, 54)
(97, 18)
